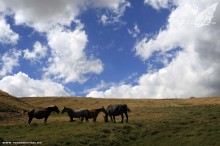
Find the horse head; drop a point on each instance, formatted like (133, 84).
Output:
(56, 109)
(53, 109)
(64, 110)
(103, 110)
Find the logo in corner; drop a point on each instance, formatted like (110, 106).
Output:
(204, 18)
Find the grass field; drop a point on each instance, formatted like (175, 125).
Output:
(152, 122)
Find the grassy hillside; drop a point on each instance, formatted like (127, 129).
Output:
(193, 121)
(9, 103)
(11, 106)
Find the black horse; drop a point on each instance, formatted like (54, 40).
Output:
(116, 110)
(42, 113)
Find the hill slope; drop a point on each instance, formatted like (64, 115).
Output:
(9, 103)
(11, 106)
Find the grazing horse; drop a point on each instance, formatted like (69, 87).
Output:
(116, 110)
(82, 113)
(42, 113)
(95, 112)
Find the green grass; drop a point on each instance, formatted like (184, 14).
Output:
(182, 125)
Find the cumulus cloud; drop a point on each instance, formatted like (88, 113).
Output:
(9, 61)
(193, 72)
(42, 14)
(22, 85)
(38, 15)
(122, 91)
(69, 61)
(7, 35)
(39, 52)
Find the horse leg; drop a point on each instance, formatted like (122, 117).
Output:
(114, 119)
(30, 119)
(31, 116)
(71, 119)
(122, 118)
(126, 117)
(82, 118)
(94, 119)
(45, 120)
(86, 118)
(111, 118)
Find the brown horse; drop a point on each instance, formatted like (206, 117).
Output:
(95, 112)
(42, 113)
(82, 113)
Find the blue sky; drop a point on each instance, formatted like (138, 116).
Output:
(109, 49)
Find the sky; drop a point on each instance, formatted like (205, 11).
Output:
(153, 49)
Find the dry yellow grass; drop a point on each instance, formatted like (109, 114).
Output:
(10, 103)
(82, 102)
(142, 109)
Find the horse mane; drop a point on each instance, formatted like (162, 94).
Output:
(68, 108)
(51, 106)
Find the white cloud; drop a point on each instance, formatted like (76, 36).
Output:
(104, 19)
(158, 4)
(114, 92)
(22, 85)
(43, 15)
(69, 61)
(195, 69)
(116, 11)
(113, 4)
(39, 52)
(135, 31)
(7, 36)
(180, 32)
(8, 61)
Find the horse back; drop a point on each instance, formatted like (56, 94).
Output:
(82, 112)
(39, 114)
(94, 113)
(117, 109)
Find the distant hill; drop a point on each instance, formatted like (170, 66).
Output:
(9, 103)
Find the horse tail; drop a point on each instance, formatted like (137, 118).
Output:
(128, 109)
